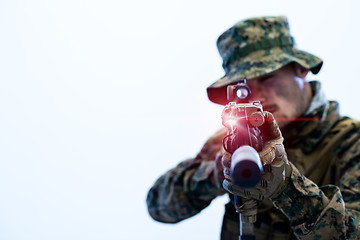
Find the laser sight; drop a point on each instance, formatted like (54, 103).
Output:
(239, 93)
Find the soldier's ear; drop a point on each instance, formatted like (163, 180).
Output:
(300, 71)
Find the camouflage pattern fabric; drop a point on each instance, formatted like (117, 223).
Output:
(189, 187)
(255, 47)
(321, 201)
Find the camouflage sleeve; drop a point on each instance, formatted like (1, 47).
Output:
(326, 212)
(189, 187)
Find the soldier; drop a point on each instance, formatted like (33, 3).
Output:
(312, 189)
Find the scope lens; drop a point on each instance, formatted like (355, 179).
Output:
(242, 93)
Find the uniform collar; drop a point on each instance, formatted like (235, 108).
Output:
(319, 98)
(317, 121)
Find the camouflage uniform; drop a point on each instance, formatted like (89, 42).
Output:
(322, 198)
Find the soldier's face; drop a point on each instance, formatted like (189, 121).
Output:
(284, 92)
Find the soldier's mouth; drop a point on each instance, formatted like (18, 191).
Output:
(270, 108)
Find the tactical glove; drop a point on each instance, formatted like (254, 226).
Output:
(276, 167)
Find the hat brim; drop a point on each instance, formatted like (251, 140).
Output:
(258, 64)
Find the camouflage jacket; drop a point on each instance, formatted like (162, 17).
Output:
(321, 201)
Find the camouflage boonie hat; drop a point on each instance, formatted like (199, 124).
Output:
(255, 47)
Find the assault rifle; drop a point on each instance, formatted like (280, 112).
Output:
(243, 119)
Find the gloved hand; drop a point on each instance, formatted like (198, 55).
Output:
(276, 167)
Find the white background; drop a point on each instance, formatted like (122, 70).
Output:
(98, 98)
